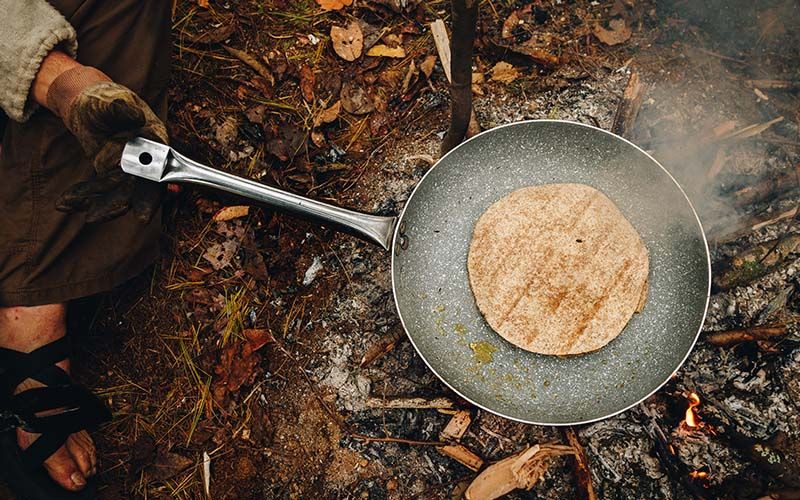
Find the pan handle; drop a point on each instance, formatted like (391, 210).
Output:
(158, 162)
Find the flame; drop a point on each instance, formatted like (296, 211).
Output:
(691, 418)
(698, 474)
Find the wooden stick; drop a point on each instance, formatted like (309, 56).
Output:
(750, 224)
(381, 348)
(768, 188)
(628, 107)
(583, 475)
(465, 18)
(372, 439)
(409, 403)
(463, 455)
(755, 262)
(775, 84)
(730, 338)
(442, 42)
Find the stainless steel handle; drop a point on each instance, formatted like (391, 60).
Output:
(156, 161)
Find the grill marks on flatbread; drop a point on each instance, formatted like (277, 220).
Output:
(557, 269)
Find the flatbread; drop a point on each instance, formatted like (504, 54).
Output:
(557, 269)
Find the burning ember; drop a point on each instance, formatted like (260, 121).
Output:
(691, 417)
(698, 474)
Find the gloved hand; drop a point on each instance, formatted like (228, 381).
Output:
(103, 116)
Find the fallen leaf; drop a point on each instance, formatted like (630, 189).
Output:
(334, 4)
(328, 115)
(620, 32)
(256, 114)
(537, 54)
(307, 82)
(355, 99)
(427, 64)
(227, 132)
(232, 212)
(202, 3)
(285, 141)
(216, 35)
(513, 22)
(239, 363)
(169, 465)
(257, 338)
(381, 50)
(411, 73)
(348, 42)
(318, 138)
(220, 255)
(504, 73)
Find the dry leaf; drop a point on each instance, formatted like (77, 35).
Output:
(169, 465)
(381, 50)
(355, 99)
(329, 115)
(202, 3)
(504, 73)
(426, 66)
(216, 35)
(620, 32)
(348, 42)
(229, 213)
(307, 81)
(220, 255)
(239, 363)
(334, 4)
(318, 138)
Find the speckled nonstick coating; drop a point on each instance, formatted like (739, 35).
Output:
(437, 308)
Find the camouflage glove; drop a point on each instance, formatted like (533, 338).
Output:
(103, 116)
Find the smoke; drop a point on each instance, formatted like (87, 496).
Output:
(703, 96)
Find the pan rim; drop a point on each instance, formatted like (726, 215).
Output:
(499, 413)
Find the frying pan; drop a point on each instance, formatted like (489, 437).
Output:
(430, 239)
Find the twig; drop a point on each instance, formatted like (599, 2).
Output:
(730, 338)
(583, 474)
(372, 439)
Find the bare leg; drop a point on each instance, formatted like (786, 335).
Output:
(25, 329)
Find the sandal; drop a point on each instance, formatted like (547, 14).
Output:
(75, 408)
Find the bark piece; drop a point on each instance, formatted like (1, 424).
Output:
(521, 470)
(457, 426)
(628, 107)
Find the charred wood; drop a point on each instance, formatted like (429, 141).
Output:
(755, 262)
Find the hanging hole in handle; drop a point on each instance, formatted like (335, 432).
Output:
(145, 158)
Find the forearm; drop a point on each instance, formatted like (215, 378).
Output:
(53, 65)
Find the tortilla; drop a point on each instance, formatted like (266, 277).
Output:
(557, 269)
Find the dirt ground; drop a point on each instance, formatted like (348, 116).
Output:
(243, 343)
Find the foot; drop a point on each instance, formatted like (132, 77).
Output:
(25, 329)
